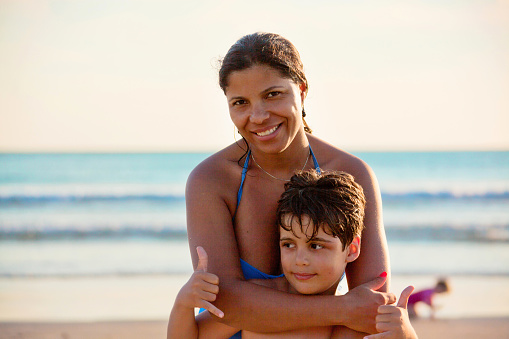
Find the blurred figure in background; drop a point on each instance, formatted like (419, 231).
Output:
(426, 297)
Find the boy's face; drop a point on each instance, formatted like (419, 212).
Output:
(313, 266)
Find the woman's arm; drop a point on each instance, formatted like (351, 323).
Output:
(374, 254)
(257, 308)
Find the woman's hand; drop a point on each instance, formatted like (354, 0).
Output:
(392, 320)
(364, 302)
(202, 288)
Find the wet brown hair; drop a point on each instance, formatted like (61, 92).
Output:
(264, 49)
(331, 200)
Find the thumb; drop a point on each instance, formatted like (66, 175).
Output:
(203, 259)
(403, 299)
(376, 283)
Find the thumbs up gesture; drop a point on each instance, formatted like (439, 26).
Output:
(392, 320)
(202, 288)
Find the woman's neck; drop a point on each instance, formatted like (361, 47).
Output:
(283, 165)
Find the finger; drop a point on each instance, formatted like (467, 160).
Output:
(376, 336)
(388, 317)
(207, 277)
(203, 259)
(378, 282)
(403, 299)
(391, 298)
(385, 328)
(207, 287)
(213, 309)
(207, 296)
(387, 309)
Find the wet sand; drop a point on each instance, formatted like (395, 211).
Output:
(138, 307)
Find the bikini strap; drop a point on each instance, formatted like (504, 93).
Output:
(244, 171)
(246, 165)
(317, 167)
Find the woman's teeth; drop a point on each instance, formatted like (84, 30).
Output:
(267, 132)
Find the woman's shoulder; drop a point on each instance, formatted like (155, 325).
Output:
(221, 168)
(332, 158)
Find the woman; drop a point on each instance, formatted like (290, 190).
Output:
(231, 198)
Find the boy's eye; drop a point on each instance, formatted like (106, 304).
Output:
(287, 245)
(316, 246)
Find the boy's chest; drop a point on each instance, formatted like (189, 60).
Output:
(312, 332)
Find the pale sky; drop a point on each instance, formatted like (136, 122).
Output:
(140, 75)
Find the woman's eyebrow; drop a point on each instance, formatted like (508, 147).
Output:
(271, 88)
(235, 98)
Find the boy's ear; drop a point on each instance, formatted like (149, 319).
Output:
(354, 249)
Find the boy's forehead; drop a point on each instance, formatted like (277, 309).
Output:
(302, 226)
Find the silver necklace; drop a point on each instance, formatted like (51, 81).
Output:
(270, 175)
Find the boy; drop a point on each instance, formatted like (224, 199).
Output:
(320, 217)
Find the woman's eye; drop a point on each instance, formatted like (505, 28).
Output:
(238, 102)
(273, 94)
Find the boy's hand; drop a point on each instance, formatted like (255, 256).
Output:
(392, 320)
(364, 301)
(202, 287)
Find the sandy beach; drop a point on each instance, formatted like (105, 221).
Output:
(438, 329)
(137, 307)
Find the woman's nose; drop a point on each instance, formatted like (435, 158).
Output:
(258, 114)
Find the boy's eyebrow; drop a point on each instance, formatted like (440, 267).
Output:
(318, 239)
(285, 238)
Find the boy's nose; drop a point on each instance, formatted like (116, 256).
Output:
(301, 258)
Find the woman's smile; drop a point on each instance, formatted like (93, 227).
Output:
(266, 108)
(267, 131)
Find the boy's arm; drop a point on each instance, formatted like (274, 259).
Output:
(210, 328)
(199, 291)
(182, 323)
(392, 320)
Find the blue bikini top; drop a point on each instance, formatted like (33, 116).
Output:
(249, 271)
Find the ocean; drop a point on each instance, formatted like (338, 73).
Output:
(73, 215)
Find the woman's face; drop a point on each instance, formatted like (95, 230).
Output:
(265, 107)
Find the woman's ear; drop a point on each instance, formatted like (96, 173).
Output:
(354, 249)
(303, 92)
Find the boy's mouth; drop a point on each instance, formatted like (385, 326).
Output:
(303, 276)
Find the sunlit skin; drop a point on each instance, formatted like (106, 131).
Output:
(313, 265)
(266, 108)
